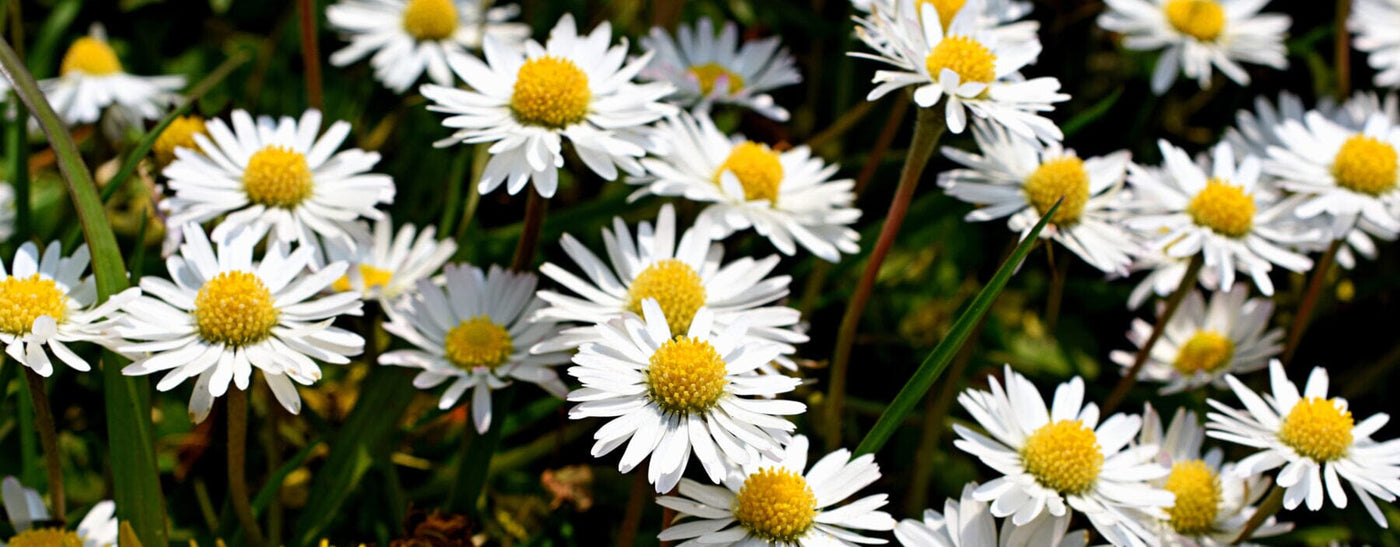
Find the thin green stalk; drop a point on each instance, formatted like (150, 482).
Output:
(453, 184)
(237, 462)
(480, 155)
(48, 437)
(31, 472)
(1188, 282)
(1305, 308)
(1267, 508)
(475, 462)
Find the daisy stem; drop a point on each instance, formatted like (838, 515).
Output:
(882, 142)
(1341, 51)
(48, 438)
(1059, 275)
(237, 454)
(928, 128)
(1305, 308)
(845, 123)
(310, 55)
(1267, 508)
(636, 501)
(1188, 282)
(481, 153)
(475, 462)
(535, 207)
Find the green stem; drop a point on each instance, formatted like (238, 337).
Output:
(48, 438)
(1268, 508)
(480, 155)
(1305, 308)
(475, 462)
(237, 456)
(1188, 282)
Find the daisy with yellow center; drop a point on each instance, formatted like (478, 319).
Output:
(772, 501)
(709, 68)
(1315, 440)
(25, 510)
(786, 196)
(967, 522)
(472, 331)
(222, 314)
(179, 134)
(91, 79)
(1348, 175)
(385, 264)
(668, 393)
(1195, 35)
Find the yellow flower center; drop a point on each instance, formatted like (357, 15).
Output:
(1223, 208)
(1198, 497)
(758, 169)
(776, 505)
(46, 537)
(676, 288)
(1366, 165)
(1063, 456)
(709, 73)
(1059, 177)
(179, 134)
(1199, 19)
(24, 300)
(370, 275)
(686, 375)
(235, 309)
(90, 56)
(1316, 428)
(550, 92)
(947, 10)
(278, 176)
(969, 58)
(1206, 351)
(477, 342)
(430, 19)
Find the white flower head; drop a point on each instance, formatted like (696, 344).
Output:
(27, 515)
(1348, 174)
(968, 522)
(385, 264)
(91, 79)
(1376, 24)
(708, 68)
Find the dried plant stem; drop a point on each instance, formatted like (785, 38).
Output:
(1188, 282)
(237, 460)
(310, 53)
(1305, 308)
(48, 438)
(1341, 50)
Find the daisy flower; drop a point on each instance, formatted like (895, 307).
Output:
(1001, 17)
(407, 37)
(709, 69)
(1376, 24)
(476, 334)
(1196, 34)
(1349, 174)
(1314, 438)
(681, 278)
(274, 175)
(224, 315)
(669, 395)
(179, 134)
(1204, 342)
(26, 509)
(527, 102)
(47, 301)
(91, 79)
(785, 196)
(1061, 458)
(1018, 178)
(385, 265)
(1256, 130)
(967, 522)
(968, 65)
(770, 501)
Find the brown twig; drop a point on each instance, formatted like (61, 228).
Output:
(1188, 282)
(310, 54)
(1341, 50)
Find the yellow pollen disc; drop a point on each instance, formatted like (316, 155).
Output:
(1059, 177)
(90, 56)
(234, 309)
(947, 10)
(676, 288)
(1366, 165)
(686, 375)
(1198, 497)
(1200, 19)
(24, 300)
(46, 537)
(1206, 351)
(709, 73)
(776, 505)
(969, 58)
(370, 275)
(550, 92)
(1317, 429)
(179, 134)
(477, 342)
(277, 176)
(430, 19)
(758, 169)
(1223, 208)
(1063, 456)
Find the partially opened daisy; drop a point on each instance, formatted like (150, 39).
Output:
(527, 102)
(29, 518)
(1314, 439)
(1061, 458)
(772, 501)
(274, 175)
(385, 264)
(669, 395)
(968, 522)
(222, 314)
(408, 37)
(1376, 24)
(47, 302)
(1018, 178)
(1349, 174)
(785, 196)
(708, 68)
(91, 78)
(474, 332)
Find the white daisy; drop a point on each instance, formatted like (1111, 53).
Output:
(785, 196)
(709, 69)
(1256, 130)
(1202, 343)
(48, 302)
(770, 501)
(1376, 24)
(1314, 439)
(682, 278)
(475, 333)
(25, 509)
(1348, 173)
(1196, 34)
(225, 315)
(91, 79)
(667, 395)
(385, 265)
(274, 175)
(968, 64)
(967, 522)
(1018, 178)
(1164, 275)
(1001, 17)
(1061, 458)
(408, 37)
(527, 102)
